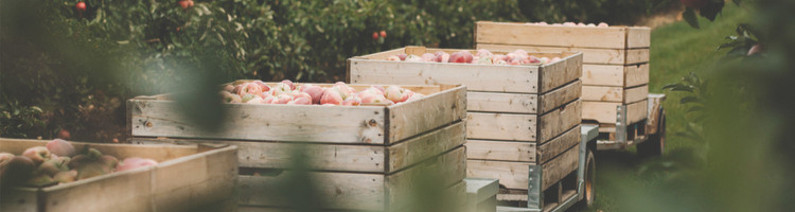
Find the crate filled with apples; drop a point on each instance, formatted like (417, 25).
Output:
(364, 144)
(60, 175)
(615, 61)
(523, 108)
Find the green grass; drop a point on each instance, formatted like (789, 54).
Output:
(676, 50)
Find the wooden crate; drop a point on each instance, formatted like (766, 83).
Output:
(481, 194)
(361, 157)
(187, 178)
(615, 59)
(512, 111)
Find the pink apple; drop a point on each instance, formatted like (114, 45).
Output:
(352, 101)
(38, 154)
(345, 90)
(602, 24)
(442, 57)
(484, 52)
(402, 56)
(314, 91)
(283, 99)
(229, 87)
(256, 100)
(554, 59)
(428, 57)
(265, 87)
(61, 148)
(331, 96)
(134, 162)
(416, 96)
(270, 99)
(406, 95)
(393, 93)
(230, 97)
(289, 83)
(393, 58)
(413, 58)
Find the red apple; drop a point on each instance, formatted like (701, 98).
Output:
(331, 96)
(375, 35)
(38, 154)
(442, 57)
(80, 6)
(402, 56)
(64, 134)
(314, 91)
(383, 33)
(393, 58)
(184, 4)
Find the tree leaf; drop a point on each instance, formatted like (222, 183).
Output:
(690, 16)
(689, 99)
(711, 10)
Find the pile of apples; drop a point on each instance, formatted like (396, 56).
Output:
(285, 92)
(60, 162)
(481, 57)
(601, 24)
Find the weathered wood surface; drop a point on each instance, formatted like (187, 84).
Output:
(522, 103)
(491, 78)
(589, 56)
(512, 175)
(176, 184)
(558, 97)
(351, 191)
(613, 75)
(614, 94)
(501, 126)
(303, 123)
(556, 146)
(557, 168)
(605, 112)
(501, 150)
(559, 120)
(617, 37)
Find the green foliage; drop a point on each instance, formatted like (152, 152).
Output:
(20, 121)
(626, 12)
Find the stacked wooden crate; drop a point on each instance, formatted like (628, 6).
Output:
(187, 178)
(357, 157)
(615, 62)
(517, 116)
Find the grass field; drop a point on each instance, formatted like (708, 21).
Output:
(676, 50)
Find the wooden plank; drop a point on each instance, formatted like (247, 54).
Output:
(557, 168)
(555, 98)
(560, 73)
(300, 123)
(501, 102)
(519, 79)
(501, 150)
(589, 55)
(157, 153)
(210, 177)
(605, 112)
(614, 94)
(336, 190)
(637, 56)
(556, 146)
(512, 175)
(21, 200)
(501, 126)
(415, 117)
(329, 157)
(638, 37)
(525, 34)
(635, 75)
(432, 144)
(613, 75)
(433, 175)
(559, 120)
(603, 75)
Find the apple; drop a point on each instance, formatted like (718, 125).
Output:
(428, 57)
(569, 24)
(393, 93)
(64, 134)
(301, 98)
(61, 148)
(135, 162)
(352, 101)
(261, 84)
(184, 4)
(602, 24)
(314, 91)
(393, 58)
(38, 154)
(483, 53)
(416, 96)
(256, 100)
(375, 35)
(65, 176)
(227, 97)
(402, 56)
(331, 96)
(80, 6)
(383, 33)
(413, 58)
(229, 88)
(442, 57)
(283, 99)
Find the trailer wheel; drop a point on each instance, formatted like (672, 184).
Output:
(655, 146)
(589, 193)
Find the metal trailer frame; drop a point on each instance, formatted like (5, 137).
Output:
(535, 196)
(651, 124)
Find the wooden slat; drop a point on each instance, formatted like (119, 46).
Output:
(419, 116)
(638, 37)
(605, 112)
(338, 190)
(525, 34)
(556, 146)
(557, 168)
(614, 94)
(635, 75)
(157, 153)
(425, 146)
(637, 56)
(128, 190)
(501, 102)
(520, 79)
(445, 171)
(329, 157)
(303, 123)
(589, 55)
(560, 73)
(555, 98)
(501, 126)
(512, 175)
(22, 200)
(613, 75)
(559, 120)
(501, 150)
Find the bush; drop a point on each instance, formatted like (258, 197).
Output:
(79, 66)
